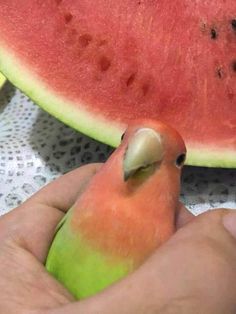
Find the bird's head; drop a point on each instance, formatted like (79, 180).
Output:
(149, 146)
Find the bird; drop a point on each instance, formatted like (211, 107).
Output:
(126, 212)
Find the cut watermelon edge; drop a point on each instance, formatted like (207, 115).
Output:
(93, 124)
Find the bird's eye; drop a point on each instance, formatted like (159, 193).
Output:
(122, 136)
(180, 160)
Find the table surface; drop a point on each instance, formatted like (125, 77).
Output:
(36, 148)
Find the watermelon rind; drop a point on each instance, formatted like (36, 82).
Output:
(89, 123)
(2, 80)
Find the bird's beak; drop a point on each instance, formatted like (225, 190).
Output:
(144, 149)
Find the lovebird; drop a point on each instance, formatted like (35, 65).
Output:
(126, 212)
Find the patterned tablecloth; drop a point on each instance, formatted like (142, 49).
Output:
(35, 148)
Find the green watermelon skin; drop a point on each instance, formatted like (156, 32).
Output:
(96, 67)
(2, 80)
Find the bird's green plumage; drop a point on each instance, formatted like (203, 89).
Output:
(81, 268)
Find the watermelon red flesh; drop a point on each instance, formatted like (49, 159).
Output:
(120, 60)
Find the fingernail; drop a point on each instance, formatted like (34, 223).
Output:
(229, 222)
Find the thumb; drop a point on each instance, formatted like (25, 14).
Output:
(199, 264)
(217, 225)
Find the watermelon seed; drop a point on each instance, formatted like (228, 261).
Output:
(213, 33)
(130, 80)
(85, 39)
(234, 65)
(220, 73)
(105, 63)
(233, 23)
(68, 17)
(203, 27)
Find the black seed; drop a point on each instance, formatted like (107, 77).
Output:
(234, 65)
(233, 23)
(68, 17)
(213, 33)
(105, 63)
(220, 73)
(203, 26)
(130, 80)
(85, 40)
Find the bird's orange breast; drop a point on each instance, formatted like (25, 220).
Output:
(125, 226)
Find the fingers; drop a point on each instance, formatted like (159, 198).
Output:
(204, 252)
(208, 224)
(63, 192)
(196, 269)
(33, 223)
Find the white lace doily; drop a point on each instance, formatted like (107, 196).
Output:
(35, 148)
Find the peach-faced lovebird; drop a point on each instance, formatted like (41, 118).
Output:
(127, 211)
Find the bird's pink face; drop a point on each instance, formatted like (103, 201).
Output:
(151, 144)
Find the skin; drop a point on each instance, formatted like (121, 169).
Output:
(194, 272)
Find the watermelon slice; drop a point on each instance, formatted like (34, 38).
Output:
(97, 65)
(2, 80)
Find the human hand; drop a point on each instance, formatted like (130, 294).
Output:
(194, 272)
(25, 237)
